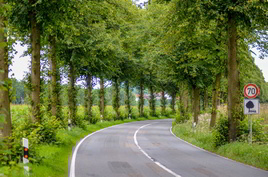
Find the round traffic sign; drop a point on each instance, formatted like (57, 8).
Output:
(251, 90)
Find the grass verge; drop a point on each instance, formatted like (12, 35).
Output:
(254, 155)
(55, 157)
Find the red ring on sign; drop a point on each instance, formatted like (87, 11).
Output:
(253, 85)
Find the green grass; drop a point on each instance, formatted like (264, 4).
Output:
(255, 154)
(55, 156)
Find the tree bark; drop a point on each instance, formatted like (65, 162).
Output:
(173, 101)
(152, 101)
(183, 101)
(205, 99)
(127, 100)
(35, 66)
(55, 92)
(220, 96)
(196, 103)
(89, 101)
(163, 103)
(215, 97)
(192, 99)
(233, 80)
(116, 98)
(102, 98)
(141, 100)
(72, 94)
(5, 127)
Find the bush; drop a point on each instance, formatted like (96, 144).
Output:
(48, 129)
(220, 133)
(182, 119)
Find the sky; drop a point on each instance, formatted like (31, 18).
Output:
(20, 64)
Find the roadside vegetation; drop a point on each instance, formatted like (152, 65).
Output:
(215, 140)
(51, 144)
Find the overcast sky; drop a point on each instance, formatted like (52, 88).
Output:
(20, 64)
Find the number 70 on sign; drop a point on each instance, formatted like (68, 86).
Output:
(251, 91)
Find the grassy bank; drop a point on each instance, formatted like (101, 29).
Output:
(241, 151)
(51, 159)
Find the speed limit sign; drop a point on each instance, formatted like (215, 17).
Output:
(251, 91)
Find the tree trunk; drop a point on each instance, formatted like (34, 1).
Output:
(183, 101)
(89, 101)
(127, 100)
(55, 92)
(192, 100)
(116, 98)
(141, 100)
(72, 94)
(205, 99)
(233, 80)
(86, 102)
(196, 103)
(173, 101)
(35, 66)
(152, 101)
(220, 96)
(215, 97)
(102, 98)
(5, 127)
(163, 103)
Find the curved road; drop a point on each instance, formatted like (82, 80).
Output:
(148, 149)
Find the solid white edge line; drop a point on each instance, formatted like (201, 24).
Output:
(72, 166)
(213, 153)
(149, 157)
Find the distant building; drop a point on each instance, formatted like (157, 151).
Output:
(140, 3)
(157, 96)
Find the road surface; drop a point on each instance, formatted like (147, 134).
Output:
(149, 149)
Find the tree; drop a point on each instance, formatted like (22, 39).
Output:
(116, 97)
(35, 63)
(5, 117)
(72, 92)
(215, 96)
(102, 98)
(55, 78)
(127, 100)
(241, 15)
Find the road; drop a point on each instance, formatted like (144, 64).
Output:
(149, 149)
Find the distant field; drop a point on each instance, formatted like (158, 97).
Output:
(24, 111)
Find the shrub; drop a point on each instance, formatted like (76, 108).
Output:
(220, 132)
(182, 119)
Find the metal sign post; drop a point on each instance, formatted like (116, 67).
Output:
(251, 105)
(250, 130)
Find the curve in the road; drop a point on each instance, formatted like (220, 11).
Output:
(72, 166)
(149, 157)
(116, 152)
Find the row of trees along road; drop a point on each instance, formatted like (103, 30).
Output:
(179, 47)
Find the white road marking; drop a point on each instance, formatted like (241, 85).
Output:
(72, 167)
(149, 157)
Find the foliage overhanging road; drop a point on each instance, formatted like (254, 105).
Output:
(148, 149)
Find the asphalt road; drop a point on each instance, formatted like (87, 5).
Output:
(148, 149)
